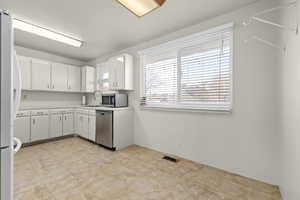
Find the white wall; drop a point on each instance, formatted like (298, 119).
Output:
(44, 99)
(243, 142)
(47, 56)
(290, 112)
(33, 98)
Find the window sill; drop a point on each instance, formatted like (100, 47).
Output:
(187, 109)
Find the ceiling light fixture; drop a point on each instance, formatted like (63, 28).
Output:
(141, 7)
(44, 32)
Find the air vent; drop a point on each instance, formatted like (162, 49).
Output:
(168, 158)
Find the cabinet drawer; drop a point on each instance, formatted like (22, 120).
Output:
(23, 114)
(56, 112)
(39, 112)
(92, 112)
(84, 112)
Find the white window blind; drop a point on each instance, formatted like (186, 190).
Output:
(194, 72)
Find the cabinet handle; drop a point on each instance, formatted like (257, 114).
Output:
(60, 118)
(33, 121)
(65, 117)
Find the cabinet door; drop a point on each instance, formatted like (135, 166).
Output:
(25, 65)
(92, 128)
(74, 79)
(68, 124)
(39, 127)
(22, 129)
(102, 77)
(90, 79)
(76, 122)
(112, 74)
(59, 76)
(85, 126)
(119, 68)
(41, 71)
(117, 73)
(106, 78)
(56, 125)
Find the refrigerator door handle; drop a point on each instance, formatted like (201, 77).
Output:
(17, 144)
(17, 84)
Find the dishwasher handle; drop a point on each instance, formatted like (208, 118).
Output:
(102, 112)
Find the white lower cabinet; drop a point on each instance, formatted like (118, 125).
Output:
(92, 126)
(61, 123)
(68, 123)
(22, 127)
(83, 125)
(35, 125)
(123, 129)
(85, 132)
(56, 125)
(80, 124)
(39, 125)
(86, 124)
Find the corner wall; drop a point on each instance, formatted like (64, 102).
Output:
(290, 111)
(243, 142)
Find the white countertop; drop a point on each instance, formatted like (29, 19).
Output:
(27, 108)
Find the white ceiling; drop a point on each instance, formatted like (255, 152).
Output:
(105, 25)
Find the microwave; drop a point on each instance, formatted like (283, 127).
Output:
(115, 100)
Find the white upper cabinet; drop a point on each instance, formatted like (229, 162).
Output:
(74, 79)
(47, 76)
(103, 77)
(59, 76)
(25, 65)
(41, 75)
(88, 79)
(116, 73)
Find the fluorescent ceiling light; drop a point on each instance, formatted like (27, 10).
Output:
(44, 32)
(141, 7)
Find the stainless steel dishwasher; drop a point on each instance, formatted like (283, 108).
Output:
(104, 128)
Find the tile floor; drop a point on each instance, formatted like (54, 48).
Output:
(74, 169)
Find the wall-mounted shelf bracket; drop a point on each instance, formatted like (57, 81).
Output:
(266, 42)
(256, 17)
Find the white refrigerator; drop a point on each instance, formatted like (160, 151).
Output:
(10, 91)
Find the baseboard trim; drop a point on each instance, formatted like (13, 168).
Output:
(48, 140)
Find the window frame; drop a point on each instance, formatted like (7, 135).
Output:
(179, 45)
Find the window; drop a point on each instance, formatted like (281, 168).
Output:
(194, 72)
